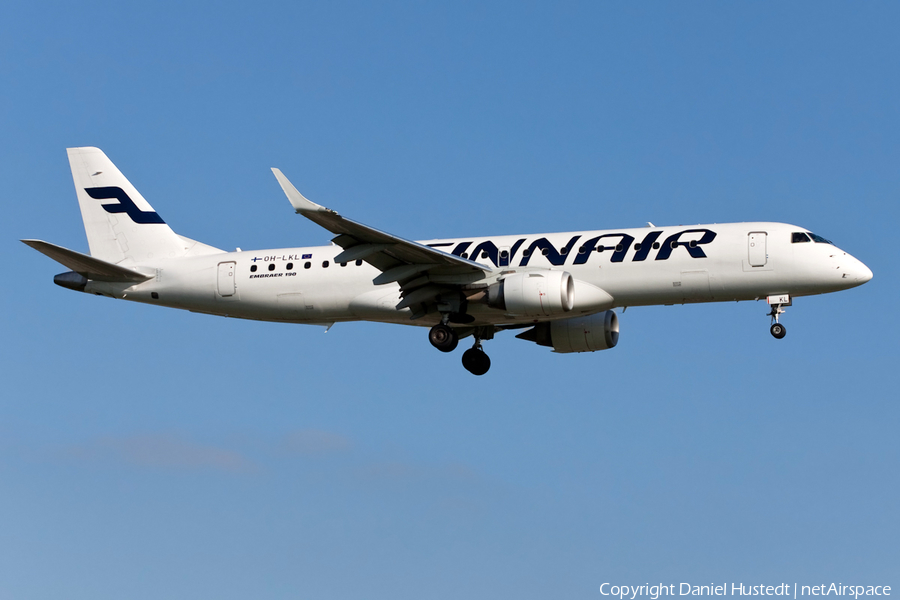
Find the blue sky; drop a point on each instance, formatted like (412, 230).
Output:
(149, 453)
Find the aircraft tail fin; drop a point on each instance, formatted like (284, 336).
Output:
(120, 225)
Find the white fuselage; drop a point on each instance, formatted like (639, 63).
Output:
(708, 263)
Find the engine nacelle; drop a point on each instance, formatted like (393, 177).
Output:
(579, 334)
(534, 293)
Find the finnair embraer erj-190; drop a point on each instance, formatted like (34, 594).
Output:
(561, 288)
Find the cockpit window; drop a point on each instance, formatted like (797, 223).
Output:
(819, 239)
(798, 237)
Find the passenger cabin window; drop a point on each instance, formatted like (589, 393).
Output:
(272, 266)
(253, 268)
(819, 239)
(359, 263)
(289, 266)
(307, 265)
(325, 264)
(799, 237)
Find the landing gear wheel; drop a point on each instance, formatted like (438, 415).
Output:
(777, 329)
(476, 361)
(443, 338)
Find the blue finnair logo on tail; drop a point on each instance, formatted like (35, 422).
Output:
(126, 205)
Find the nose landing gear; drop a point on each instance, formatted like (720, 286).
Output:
(778, 330)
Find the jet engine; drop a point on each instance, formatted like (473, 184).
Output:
(599, 331)
(534, 293)
(546, 294)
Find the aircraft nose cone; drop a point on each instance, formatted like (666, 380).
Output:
(864, 273)
(858, 272)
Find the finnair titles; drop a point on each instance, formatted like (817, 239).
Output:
(559, 289)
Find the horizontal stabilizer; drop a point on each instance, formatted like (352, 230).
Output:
(88, 266)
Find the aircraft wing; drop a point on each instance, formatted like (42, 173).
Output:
(398, 259)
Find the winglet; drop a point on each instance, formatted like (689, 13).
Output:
(299, 203)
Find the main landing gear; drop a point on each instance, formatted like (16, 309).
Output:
(474, 360)
(443, 337)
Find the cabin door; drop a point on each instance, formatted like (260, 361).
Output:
(756, 248)
(226, 279)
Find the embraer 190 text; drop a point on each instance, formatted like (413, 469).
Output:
(560, 288)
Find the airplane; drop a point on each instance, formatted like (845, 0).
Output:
(560, 289)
